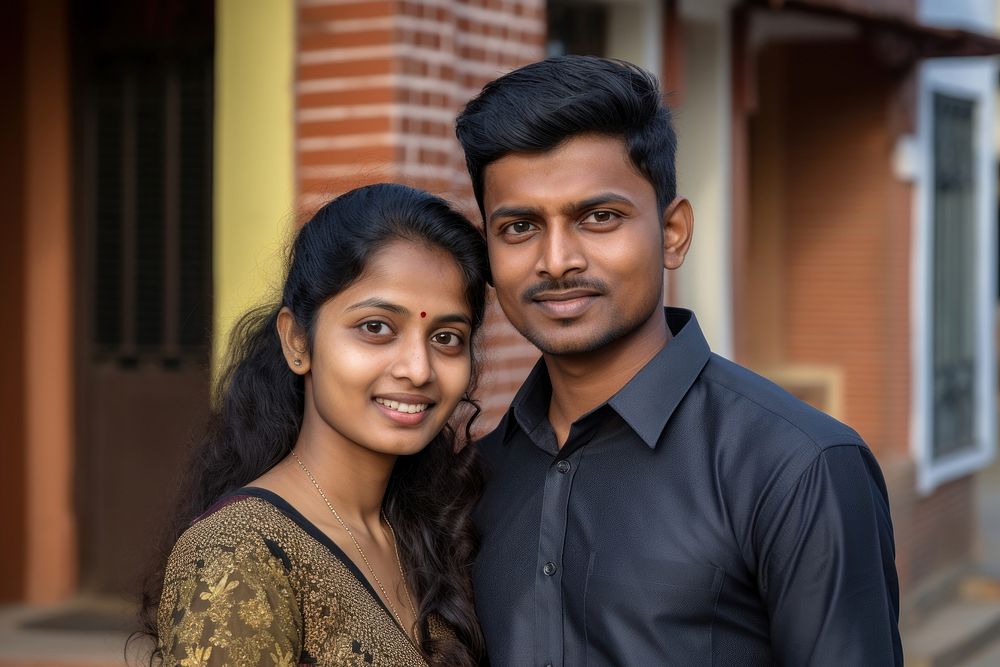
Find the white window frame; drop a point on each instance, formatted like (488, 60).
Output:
(650, 40)
(973, 79)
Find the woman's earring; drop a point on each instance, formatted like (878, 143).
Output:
(297, 362)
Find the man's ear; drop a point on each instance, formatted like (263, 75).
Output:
(678, 226)
(294, 343)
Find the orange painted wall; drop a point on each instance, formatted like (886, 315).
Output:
(48, 322)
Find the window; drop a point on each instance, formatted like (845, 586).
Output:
(954, 372)
(150, 194)
(626, 29)
(953, 338)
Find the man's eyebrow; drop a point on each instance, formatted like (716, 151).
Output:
(572, 207)
(514, 212)
(382, 304)
(597, 200)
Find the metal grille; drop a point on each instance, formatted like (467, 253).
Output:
(151, 208)
(953, 278)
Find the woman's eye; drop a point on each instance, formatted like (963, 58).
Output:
(447, 339)
(376, 328)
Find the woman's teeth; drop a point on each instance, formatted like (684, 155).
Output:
(402, 407)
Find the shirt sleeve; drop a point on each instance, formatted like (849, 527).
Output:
(223, 606)
(828, 569)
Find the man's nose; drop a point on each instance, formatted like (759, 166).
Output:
(562, 255)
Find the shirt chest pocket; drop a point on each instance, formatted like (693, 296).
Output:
(649, 611)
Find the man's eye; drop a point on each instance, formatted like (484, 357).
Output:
(447, 339)
(519, 227)
(601, 216)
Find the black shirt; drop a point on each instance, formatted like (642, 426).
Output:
(701, 516)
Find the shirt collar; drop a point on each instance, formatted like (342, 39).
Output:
(647, 401)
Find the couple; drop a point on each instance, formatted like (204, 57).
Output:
(645, 502)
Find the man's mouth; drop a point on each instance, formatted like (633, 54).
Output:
(567, 295)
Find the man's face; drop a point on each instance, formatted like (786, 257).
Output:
(576, 244)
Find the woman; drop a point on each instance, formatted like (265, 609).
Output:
(326, 519)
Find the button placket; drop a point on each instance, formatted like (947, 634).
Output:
(548, 580)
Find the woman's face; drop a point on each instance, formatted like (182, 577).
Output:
(390, 356)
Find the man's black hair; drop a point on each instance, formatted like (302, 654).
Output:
(538, 106)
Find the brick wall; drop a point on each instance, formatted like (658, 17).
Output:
(846, 255)
(934, 534)
(842, 284)
(377, 88)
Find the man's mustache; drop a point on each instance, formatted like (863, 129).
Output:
(594, 284)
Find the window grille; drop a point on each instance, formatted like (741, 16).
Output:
(150, 200)
(953, 279)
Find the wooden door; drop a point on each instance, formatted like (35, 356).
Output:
(143, 79)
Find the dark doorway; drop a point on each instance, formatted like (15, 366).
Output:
(142, 75)
(12, 337)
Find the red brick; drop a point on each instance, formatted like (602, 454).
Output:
(360, 10)
(376, 154)
(351, 68)
(348, 126)
(346, 97)
(316, 40)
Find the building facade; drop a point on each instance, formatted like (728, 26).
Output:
(839, 156)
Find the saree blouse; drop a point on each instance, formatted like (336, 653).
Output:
(253, 582)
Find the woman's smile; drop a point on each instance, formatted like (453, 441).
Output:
(396, 340)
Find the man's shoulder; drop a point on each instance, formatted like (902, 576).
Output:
(762, 404)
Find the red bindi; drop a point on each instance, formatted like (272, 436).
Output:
(423, 314)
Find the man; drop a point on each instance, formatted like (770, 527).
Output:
(648, 502)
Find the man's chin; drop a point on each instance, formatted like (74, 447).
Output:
(569, 346)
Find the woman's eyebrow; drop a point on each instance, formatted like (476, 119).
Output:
(382, 304)
(453, 317)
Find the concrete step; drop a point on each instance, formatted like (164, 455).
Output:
(77, 634)
(960, 630)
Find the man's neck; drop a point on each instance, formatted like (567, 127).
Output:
(580, 383)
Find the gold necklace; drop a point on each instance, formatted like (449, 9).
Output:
(361, 551)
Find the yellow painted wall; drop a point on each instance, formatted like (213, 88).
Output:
(254, 152)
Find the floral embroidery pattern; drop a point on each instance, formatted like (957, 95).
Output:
(246, 585)
(197, 657)
(280, 657)
(219, 589)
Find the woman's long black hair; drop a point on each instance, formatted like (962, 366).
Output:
(260, 403)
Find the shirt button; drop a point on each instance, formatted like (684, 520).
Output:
(563, 466)
(549, 568)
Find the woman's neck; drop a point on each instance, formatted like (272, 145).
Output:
(353, 479)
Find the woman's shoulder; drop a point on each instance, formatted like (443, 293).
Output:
(237, 529)
(227, 590)
(236, 518)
